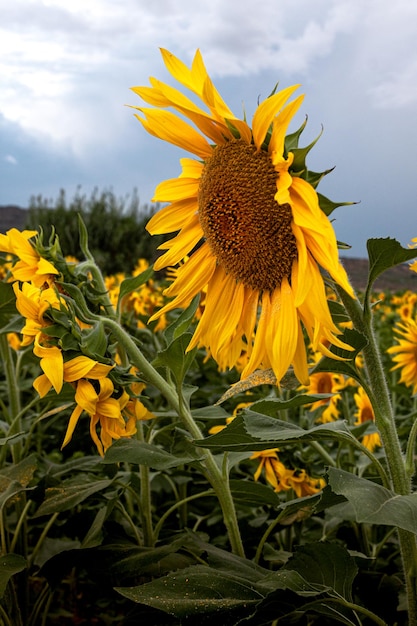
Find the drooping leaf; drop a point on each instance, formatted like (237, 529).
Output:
(326, 564)
(10, 564)
(374, 504)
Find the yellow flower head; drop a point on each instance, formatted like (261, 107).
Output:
(405, 353)
(69, 371)
(252, 227)
(32, 302)
(30, 266)
(365, 413)
(282, 478)
(105, 411)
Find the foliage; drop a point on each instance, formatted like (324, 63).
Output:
(281, 517)
(116, 227)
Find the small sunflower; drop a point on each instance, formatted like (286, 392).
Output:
(405, 353)
(250, 223)
(365, 413)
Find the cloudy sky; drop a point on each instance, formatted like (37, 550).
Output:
(66, 69)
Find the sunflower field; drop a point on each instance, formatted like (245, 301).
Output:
(227, 436)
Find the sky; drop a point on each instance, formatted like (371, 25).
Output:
(66, 69)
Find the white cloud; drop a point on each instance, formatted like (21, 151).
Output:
(9, 158)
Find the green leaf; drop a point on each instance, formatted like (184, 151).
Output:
(374, 504)
(176, 357)
(347, 367)
(132, 283)
(273, 406)
(250, 493)
(181, 324)
(69, 495)
(325, 564)
(253, 431)
(10, 564)
(142, 453)
(384, 254)
(7, 304)
(197, 590)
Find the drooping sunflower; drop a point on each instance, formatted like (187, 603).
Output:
(249, 221)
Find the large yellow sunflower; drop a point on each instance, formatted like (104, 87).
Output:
(253, 228)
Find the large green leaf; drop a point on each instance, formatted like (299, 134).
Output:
(142, 453)
(326, 564)
(374, 504)
(253, 431)
(233, 590)
(198, 590)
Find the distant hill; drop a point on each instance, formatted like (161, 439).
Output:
(396, 279)
(12, 216)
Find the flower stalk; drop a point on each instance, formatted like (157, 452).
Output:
(212, 471)
(385, 420)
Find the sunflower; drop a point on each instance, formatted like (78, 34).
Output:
(250, 223)
(365, 413)
(405, 353)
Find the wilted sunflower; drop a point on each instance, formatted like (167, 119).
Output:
(249, 221)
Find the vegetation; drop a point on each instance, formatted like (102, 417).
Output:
(140, 484)
(117, 234)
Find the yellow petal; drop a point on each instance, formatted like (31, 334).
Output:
(171, 128)
(42, 385)
(172, 217)
(75, 415)
(180, 245)
(53, 366)
(175, 189)
(265, 113)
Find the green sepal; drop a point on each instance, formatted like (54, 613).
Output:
(328, 206)
(300, 155)
(291, 140)
(94, 341)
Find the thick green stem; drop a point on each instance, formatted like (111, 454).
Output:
(145, 498)
(385, 420)
(13, 394)
(212, 471)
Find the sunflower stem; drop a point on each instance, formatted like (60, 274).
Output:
(211, 469)
(385, 420)
(145, 497)
(13, 394)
